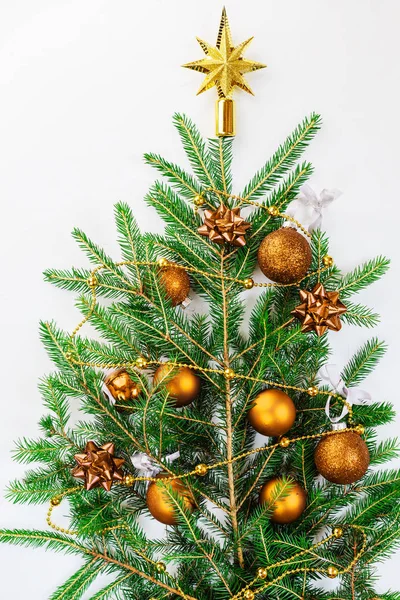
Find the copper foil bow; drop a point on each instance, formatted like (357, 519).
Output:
(224, 225)
(98, 466)
(320, 310)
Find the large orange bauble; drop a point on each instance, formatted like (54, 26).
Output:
(342, 457)
(284, 255)
(159, 503)
(286, 509)
(272, 413)
(184, 387)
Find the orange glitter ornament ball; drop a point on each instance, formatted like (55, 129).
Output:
(160, 504)
(342, 457)
(175, 282)
(284, 256)
(184, 387)
(286, 509)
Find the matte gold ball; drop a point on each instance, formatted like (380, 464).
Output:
(183, 387)
(201, 470)
(342, 457)
(272, 412)
(55, 501)
(159, 503)
(141, 362)
(162, 262)
(313, 391)
(284, 256)
(338, 532)
(122, 388)
(289, 508)
(160, 567)
(328, 261)
(332, 572)
(175, 282)
(248, 283)
(248, 595)
(229, 373)
(262, 573)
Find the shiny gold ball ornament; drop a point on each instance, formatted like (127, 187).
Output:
(141, 363)
(272, 412)
(248, 283)
(162, 262)
(248, 595)
(93, 281)
(183, 387)
(337, 532)
(198, 200)
(175, 282)
(312, 391)
(262, 573)
(342, 457)
(360, 429)
(328, 261)
(160, 567)
(286, 509)
(229, 373)
(55, 501)
(201, 470)
(284, 256)
(332, 572)
(273, 211)
(160, 504)
(129, 480)
(122, 388)
(284, 442)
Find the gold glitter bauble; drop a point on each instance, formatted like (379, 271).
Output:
(272, 413)
(175, 282)
(284, 256)
(160, 504)
(286, 509)
(122, 388)
(342, 457)
(183, 387)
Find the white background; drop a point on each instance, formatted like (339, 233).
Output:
(87, 86)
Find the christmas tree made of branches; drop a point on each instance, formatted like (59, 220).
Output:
(235, 433)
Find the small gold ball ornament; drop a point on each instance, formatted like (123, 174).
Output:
(201, 470)
(141, 363)
(332, 572)
(337, 532)
(162, 262)
(313, 391)
(273, 211)
(93, 281)
(248, 595)
(55, 501)
(175, 282)
(286, 509)
(160, 567)
(328, 261)
(284, 256)
(272, 412)
(262, 573)
(342, 458)
(229, 373)
(284, 442)
(248, 283)
(183, 387)
(129, 480)
(159, 503)
(360, 429)
(198, 200)
(122, 388)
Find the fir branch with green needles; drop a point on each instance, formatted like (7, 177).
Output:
(222, 534)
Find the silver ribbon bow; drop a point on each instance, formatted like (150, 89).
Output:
(307, 207)
(147, 467)
(353, 395)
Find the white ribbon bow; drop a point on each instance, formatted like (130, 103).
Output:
(307, 207)
(353, 395)
(147, 466)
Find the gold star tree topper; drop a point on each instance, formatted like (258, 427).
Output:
(224, 67)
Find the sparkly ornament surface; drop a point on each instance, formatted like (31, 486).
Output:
(122, 388)
(175, 282)
(289, 508)
(284, 256)
(272, 413)
(224, 225)
(159, 502)
(320, 310)
(98, 466)
(184, 387)
(224, 64)
(342, 457)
